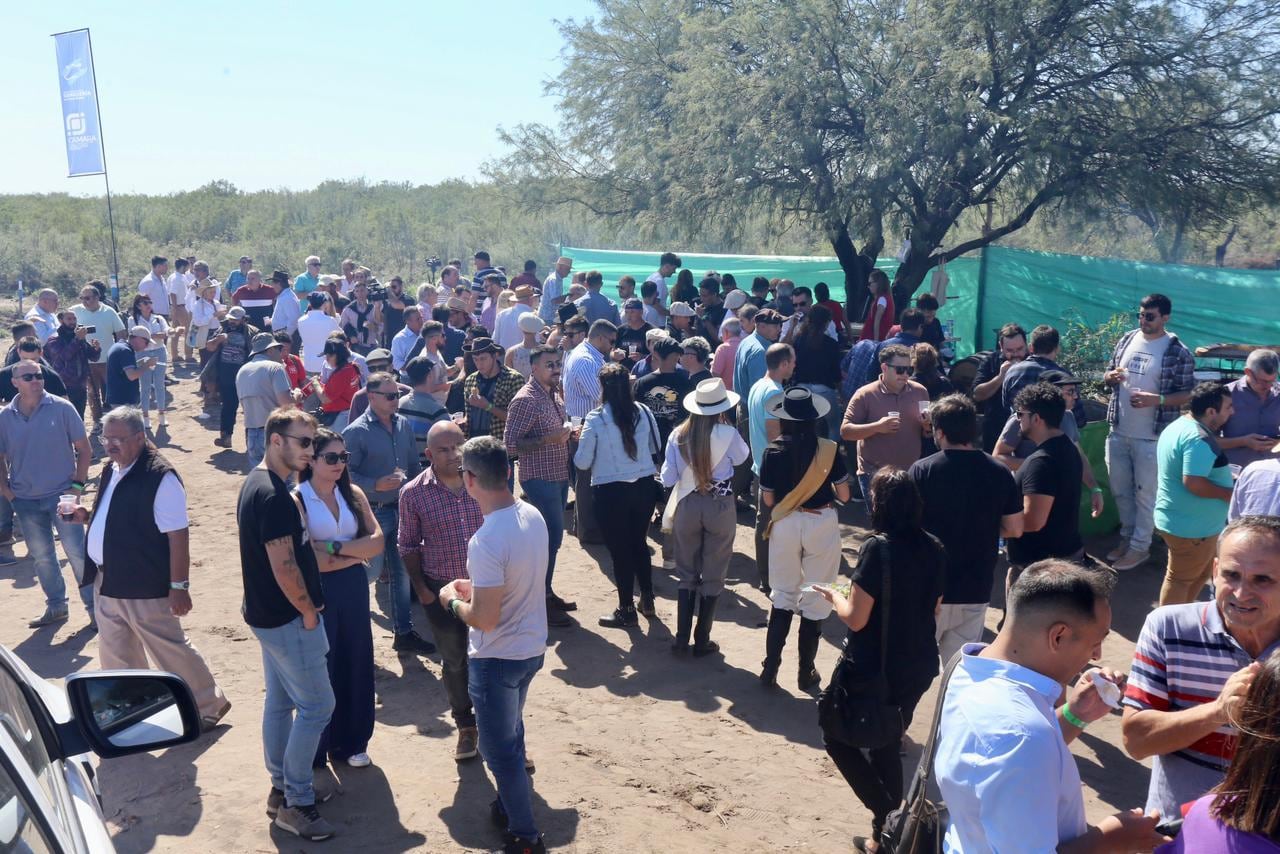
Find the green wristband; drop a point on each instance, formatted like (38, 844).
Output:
(454, 605)
(1097, 490)
(1072, 719)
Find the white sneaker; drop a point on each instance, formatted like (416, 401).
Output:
(146, 422)
(1132, 559)
(204, 416)
(359, 760)
(1118, 552)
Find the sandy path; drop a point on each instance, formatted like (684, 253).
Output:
(635, 750)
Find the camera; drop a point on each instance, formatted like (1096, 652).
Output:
(377, 291)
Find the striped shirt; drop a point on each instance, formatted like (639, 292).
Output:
(581, 379)
(1183, 658)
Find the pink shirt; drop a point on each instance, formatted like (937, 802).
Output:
(722, 363)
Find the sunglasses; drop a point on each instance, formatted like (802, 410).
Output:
(316, 264)
(901, 370)
(335, 457)
(144, 302)
(30, 378)
(303, 441)
(1147, 315)
(385, 395)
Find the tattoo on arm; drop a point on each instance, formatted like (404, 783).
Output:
(284, 565)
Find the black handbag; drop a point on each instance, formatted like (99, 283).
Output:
(858, 712)
(917, 827)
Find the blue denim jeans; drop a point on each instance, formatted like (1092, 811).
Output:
(1132, 469)
(38, 518)
(828, 426)
(549, 497)
(498, 688)
(255, 442)
(297, 706)
(151, 383)
(388, 517)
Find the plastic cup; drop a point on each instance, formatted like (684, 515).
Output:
(67, 504)
(924, 407)
(575, 421)
(895, 415)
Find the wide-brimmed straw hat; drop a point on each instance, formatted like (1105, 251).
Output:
(797, 404)
(529, 322)
(710, 398)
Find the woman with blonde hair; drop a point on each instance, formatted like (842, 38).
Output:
(700, 455)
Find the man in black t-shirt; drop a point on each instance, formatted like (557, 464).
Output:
(282, 604)
(1049, 482)
(632, 332)
(970, 501)
(664, 389)
(987, 384)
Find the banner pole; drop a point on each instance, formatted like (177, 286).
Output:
(106, 176)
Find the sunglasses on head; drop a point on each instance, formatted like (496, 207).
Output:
(335, 457)
(901, 370)
(29, 378)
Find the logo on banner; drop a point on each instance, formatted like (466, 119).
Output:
(75, 124)
(73, 71)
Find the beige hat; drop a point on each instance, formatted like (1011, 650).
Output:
(735, 300)
(523, 292)
(682, 309)
(529, 322)
(140, 332)
(710, 397)
(457, 304)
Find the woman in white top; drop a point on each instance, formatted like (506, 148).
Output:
(344, 535)
(204, 318)
(518, 357)
(151, 380)
(699, 461)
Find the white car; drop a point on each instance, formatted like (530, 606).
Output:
(49, 800)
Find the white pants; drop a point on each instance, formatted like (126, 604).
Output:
(958, 625)
(804, 549)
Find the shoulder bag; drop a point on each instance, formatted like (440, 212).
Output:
(858, 712)
(917, 827)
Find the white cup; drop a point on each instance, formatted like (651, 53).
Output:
(575, 421)
(924, 407)
(895, 415)
(67, 504)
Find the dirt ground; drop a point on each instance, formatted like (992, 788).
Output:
(635, 750)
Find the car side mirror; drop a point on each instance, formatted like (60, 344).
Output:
(119, 712)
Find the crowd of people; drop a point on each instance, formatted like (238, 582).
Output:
(386, 431)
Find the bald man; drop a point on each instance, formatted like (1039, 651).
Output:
(437, 519)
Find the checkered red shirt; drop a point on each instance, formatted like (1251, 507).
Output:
(438, 525)
(534, 413)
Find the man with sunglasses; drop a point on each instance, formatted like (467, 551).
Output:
(310, 280)
(1151, 374)
(536, 434)
(29, 350)
(104, 328)
(283, 601)
(44, 453)
(884, 417)
(384, 454)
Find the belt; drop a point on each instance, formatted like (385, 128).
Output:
(814, 510)
(378, 505)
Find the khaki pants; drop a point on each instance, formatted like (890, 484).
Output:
(702, 534)
(130, 630)
(1190, 565)
(958, 625)
(804, 549)
(179, 316)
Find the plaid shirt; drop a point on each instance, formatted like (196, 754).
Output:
(505, 386)
(437, 525)
(1177, 374)
(534, 413)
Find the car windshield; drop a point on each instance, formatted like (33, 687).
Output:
(20, 723)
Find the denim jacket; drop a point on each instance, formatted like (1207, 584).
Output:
(600, 447)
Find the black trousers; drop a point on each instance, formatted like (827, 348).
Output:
(450, 635)
(625, 527)
(876, 775)
(79, 397)
(230, 400)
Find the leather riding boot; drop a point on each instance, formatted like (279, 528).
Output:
(702, 642)
(774, 641)
(684, 621)
(810, 635)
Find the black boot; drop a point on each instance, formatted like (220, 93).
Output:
(810, 635)
(774, 642)
(702, 642)
(684, 621)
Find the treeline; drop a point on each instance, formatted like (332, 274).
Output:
(59, 241)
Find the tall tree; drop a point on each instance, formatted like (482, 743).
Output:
(862, 117)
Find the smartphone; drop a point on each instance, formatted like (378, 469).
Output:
(1170, 827)
(91, 329)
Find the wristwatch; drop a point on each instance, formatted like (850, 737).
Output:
(179, 585)
(334, 548)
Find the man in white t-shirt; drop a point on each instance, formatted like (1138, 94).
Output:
(1151, 373)
(137, 526)
(179, 314)
(553, 290)
(667, 266)
(504, 604)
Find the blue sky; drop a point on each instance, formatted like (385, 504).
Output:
(273, 94)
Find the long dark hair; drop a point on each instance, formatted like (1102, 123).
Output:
(615, 393)
(683, 290)
(135, 311)
(803, 437)
(815, 324)
(896, 506)
(324, 438)
(1246, 798)
(339, 350)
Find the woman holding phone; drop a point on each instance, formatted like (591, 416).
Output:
(344, 534)
(151, 381)
(899, 577)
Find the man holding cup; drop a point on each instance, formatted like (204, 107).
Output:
(384, 454)
(884, 417)
(125, 368)
(538, 433)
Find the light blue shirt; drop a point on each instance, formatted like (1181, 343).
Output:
(306, 283)
(552, 289)
(748, 362)
(1008, 778)
(760, 394)
(673, 464)
(401, 344)
(600, 447)
(581, 379)
(597, 306)
(234, 280)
